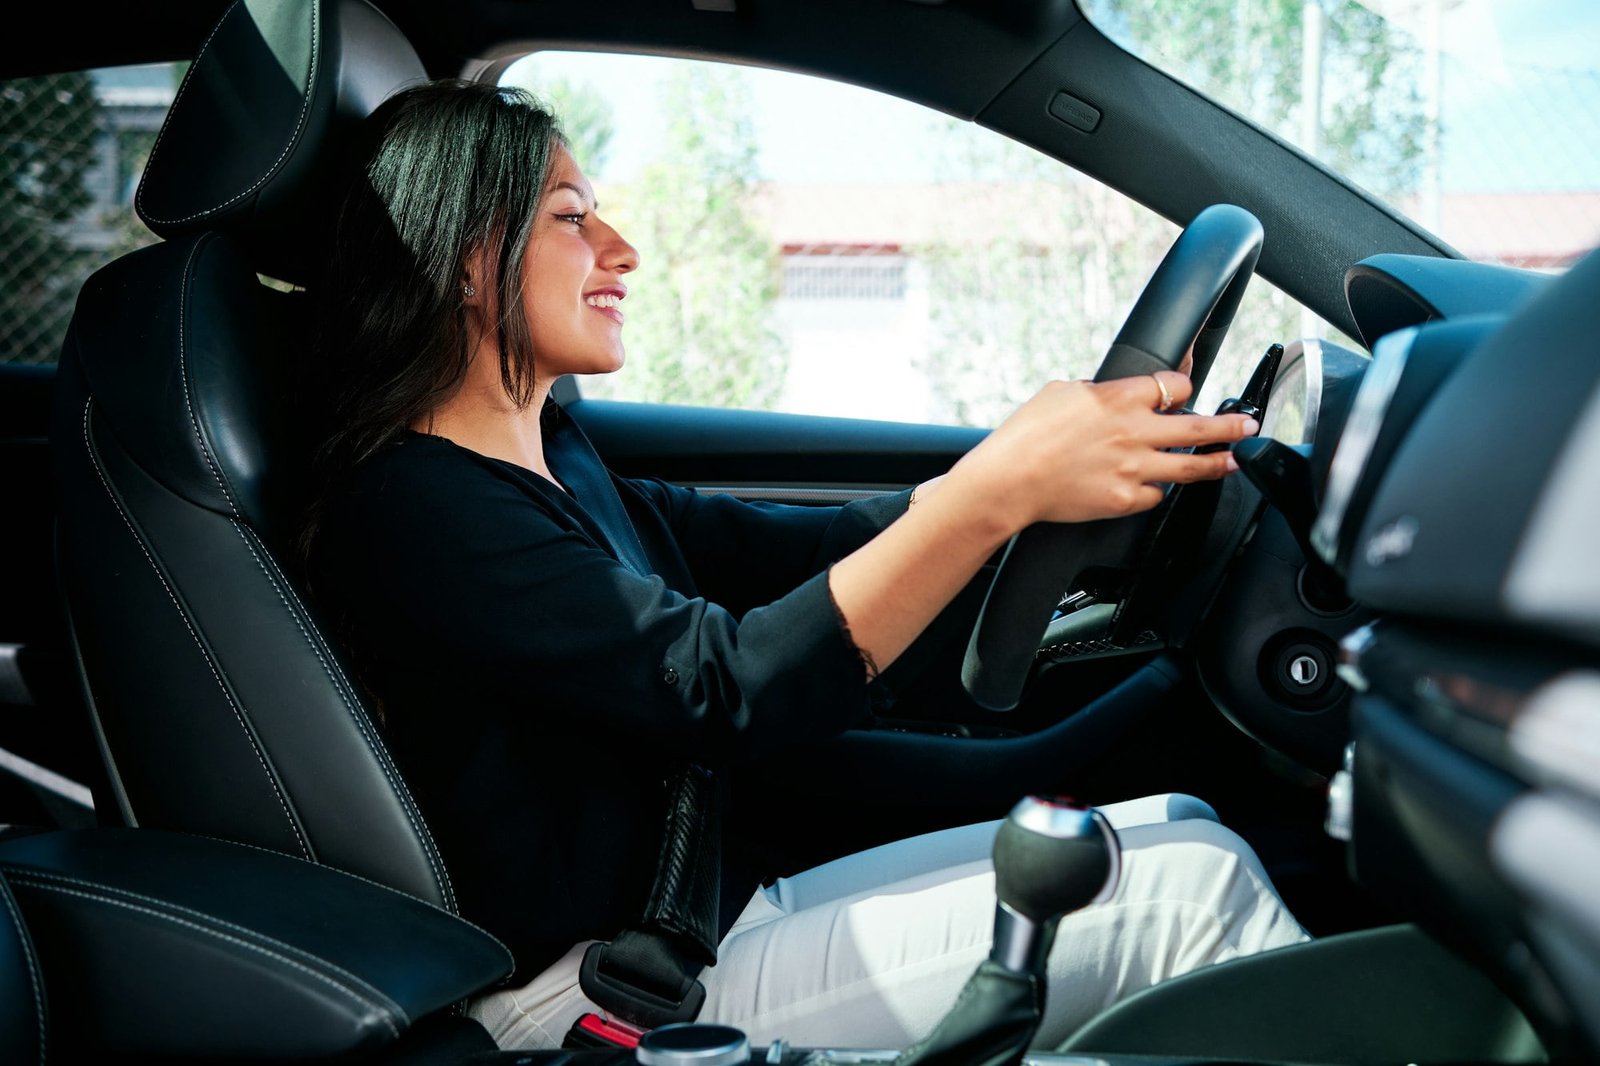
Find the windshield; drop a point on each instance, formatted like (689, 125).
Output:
(1480, 119)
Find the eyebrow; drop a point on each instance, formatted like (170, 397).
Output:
(582, 195)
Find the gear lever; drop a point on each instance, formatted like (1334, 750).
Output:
(1050, 857)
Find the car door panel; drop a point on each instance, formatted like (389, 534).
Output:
(703, 446)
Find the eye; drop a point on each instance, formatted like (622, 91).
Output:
(574, 217)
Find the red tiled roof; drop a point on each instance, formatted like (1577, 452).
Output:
(1536, 229)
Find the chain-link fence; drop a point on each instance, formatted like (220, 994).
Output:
(72, 147)
(1518, 178)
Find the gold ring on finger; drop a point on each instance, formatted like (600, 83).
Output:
(1166, 397)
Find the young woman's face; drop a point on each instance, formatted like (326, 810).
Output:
(572, 278)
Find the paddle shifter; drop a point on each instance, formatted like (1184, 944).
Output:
(1051, 857)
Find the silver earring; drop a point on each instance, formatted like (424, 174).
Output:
(468, 291)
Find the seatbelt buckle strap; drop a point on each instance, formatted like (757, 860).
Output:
(686, 896)
(606, 987)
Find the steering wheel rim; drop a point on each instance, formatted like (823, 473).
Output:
(1190, 299)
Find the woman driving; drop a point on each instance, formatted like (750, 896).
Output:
(547, 639)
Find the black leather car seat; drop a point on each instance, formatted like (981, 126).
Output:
(22, 1000)
(220, 707)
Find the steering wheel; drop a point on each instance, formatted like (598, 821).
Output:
(1189, 300)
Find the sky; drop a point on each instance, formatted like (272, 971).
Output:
(1520, 103)
(1522, 95)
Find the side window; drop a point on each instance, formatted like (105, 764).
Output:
(813, 247)
(72, 148)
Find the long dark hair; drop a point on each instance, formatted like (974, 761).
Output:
(450, 169)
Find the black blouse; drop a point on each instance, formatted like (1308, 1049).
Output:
(544, 657)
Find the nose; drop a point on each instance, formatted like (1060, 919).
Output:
(616, 254)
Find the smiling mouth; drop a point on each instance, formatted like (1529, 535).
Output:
(606, 303)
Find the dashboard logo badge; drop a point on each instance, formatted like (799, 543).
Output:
(1392, 542)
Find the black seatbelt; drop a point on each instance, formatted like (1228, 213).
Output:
(649, 974)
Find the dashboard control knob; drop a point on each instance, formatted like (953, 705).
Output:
(693, 1044)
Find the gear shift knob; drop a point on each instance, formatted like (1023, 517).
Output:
(1050, 857)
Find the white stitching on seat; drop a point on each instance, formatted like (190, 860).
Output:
(33, 971)
(354, 994)
(375, 884)
(305, 106)
(183, 87)
(378, 996)
(342, 686)
(183, 373)
(238, 712)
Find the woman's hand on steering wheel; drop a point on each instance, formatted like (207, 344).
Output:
(1079, 450)
(1184, 310)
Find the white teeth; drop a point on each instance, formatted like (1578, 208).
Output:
(604, 299)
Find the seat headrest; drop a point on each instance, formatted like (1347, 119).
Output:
(257, 139)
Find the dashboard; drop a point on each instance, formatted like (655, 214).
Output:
(1343, 541)
(1460, 498)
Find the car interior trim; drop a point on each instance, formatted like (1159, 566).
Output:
(13, 683)
(1556, 736)
(45, 778)
(1553, 576)
(1390, 291)
(1294, 196)
(1354, 998)
(1537, 825)
(1565, 908)
(1312, 357)
(112, 774)
(1470, 462)
(814, 494)
(1360, 434)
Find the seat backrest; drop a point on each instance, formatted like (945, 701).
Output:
(220, 706)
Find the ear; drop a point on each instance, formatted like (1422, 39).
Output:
(473, 281)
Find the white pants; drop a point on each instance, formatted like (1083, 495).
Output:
(872, 949)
